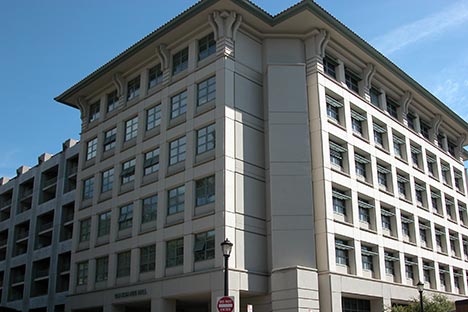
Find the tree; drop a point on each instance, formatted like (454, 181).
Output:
(436, 303)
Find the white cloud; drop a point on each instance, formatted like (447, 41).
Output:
(453, 94)
(430, 26)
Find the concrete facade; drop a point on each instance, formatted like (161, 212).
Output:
(337, 177)
(36, 220)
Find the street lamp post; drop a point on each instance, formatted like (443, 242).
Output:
(226, 247)
(421, 289)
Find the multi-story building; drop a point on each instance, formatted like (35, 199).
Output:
(339, 179)
(36, 226)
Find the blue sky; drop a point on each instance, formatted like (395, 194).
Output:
(47, 46)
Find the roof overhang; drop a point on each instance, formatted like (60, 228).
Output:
(265, 24)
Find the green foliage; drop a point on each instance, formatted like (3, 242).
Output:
(436, 303)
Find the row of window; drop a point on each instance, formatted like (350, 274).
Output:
(205, 142)
(367, 212)
(204, 249)
(345, 257)
(178, 107)
(204, 195)
(400, 148)
(389, 105)
(206, 47)
(362, 163)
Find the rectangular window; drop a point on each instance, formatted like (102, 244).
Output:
(107, 180)
(333, 106)
(374, 97)
(155, 76)
(180, 61)
(425, 128)
(94, 112)
(176, 200)
(125, 217)
(379, 135)
(91, 149)
(386, 223)
(109, 139)
(206, 46)
(85, 229)
(206, 139)
(332, 113)
(341, 252)
(339, 202)
(123, 264)
(364, 215)
(382, 179)
(392, 108)
(82, 273)
(329, 67)
(177, 151)
(410, 118)
(131, 129)
(151, 162)
(352, 81)
(423, 236)
(175, 252)
(205, 191)
(367, 258)
(102, 269)
(133, 88)
(147, 259)
(112, 101)
(150, 209)
(405, 229)
(206, 91)
(204, 246)
(128, 171)
(178, 104)
(361, 170)
(409, 271)
(88, 188)
(153, 117)
(398, 146)
(355, 305)
(104, 223)
(389, 263)
(356, 122)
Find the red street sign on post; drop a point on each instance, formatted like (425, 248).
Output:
(225, 304)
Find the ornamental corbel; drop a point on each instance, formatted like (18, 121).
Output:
(225, 24)
(82, 105)
(118, 81)
(323, 37)
(164, 56)
(406, 101)
(368, 74)
(436, 121)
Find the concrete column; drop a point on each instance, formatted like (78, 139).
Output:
(112, 269)
(163, 305)
(383, 99)
(188, 253)
(107, 308)
(340, 72)
(91, 274)
(192, 55)
(417, 123)
(160, 260)
(135, 265)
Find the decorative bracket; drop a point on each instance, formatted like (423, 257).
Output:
(322, 40)
(436, 124)
(118, 81)
(225, 24)
(460, 143)
(369, 72)
(406, 101)
(164, 56)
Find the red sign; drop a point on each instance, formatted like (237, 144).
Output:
(225, 304)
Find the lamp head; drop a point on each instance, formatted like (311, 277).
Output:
(226, 247)
(420, 286)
